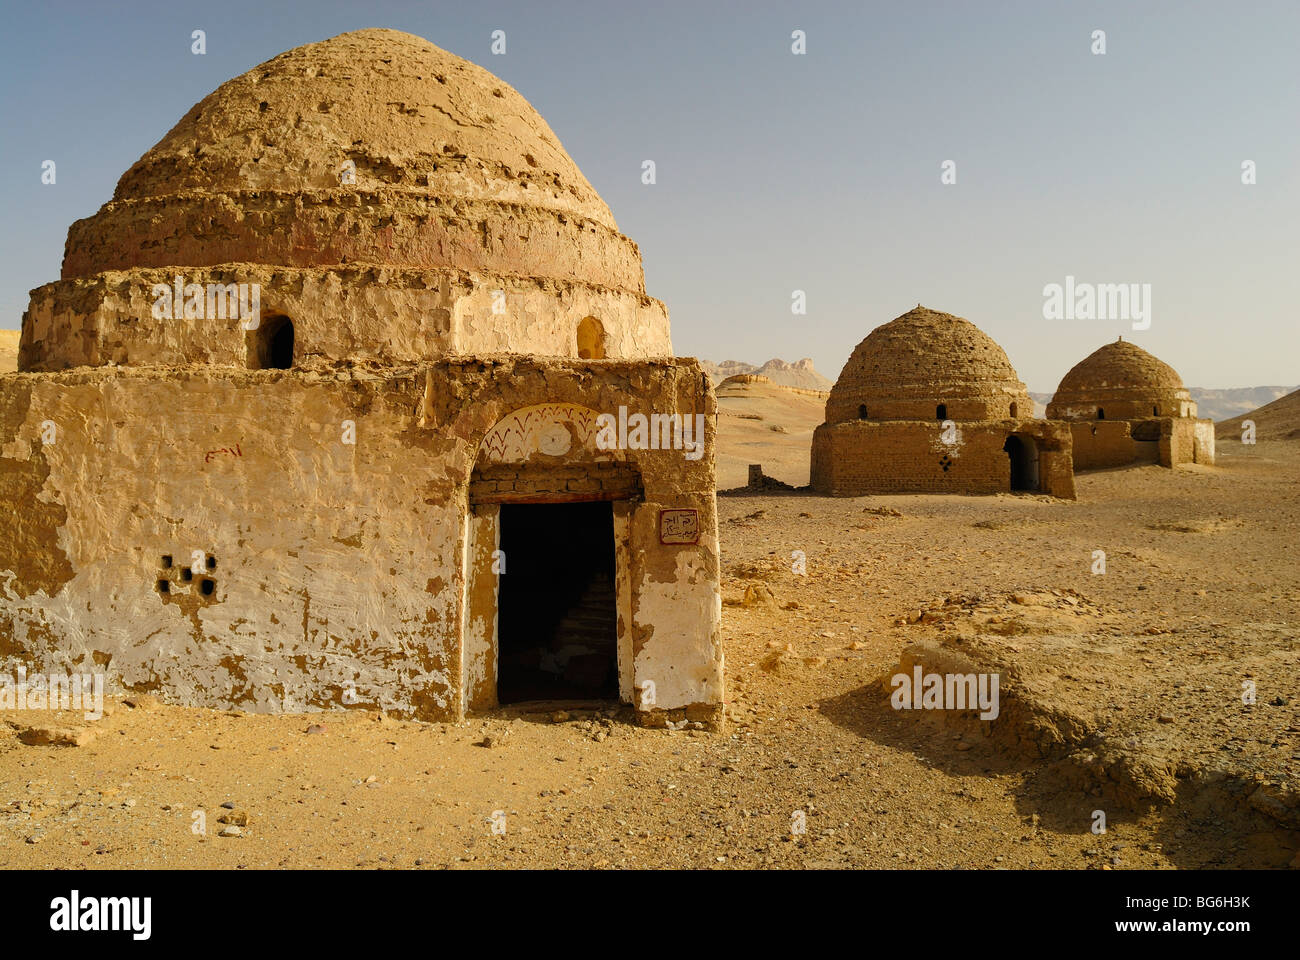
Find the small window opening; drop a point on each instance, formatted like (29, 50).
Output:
(166, 560)
(862, 412)
(941, 412)
(1014, 411)
(591, 339)
(212, 563)
(1155, 411)
(164, 586)
(206, 586)
(187, 574)
(271, 345)
(1101, 414)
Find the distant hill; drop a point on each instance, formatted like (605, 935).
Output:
(798, 374)
(1279, 420)
(1222, 404)
(8, 351)
(761, 422)
(1210, 404)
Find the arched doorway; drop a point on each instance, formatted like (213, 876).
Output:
(548, 562)
(1023, 454)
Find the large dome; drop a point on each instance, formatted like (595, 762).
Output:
(1120, 381)
(923, 364)
(371, 146)
(410, 116)
(411, 201)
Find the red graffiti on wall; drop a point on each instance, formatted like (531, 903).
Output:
(234, 451)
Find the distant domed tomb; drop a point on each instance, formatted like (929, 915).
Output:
(1126, 406)
(928, 403)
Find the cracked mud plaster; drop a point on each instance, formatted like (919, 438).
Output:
(670, 611)
(309, 531)
(32, 557)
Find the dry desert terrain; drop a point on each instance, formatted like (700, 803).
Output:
(1122, 692)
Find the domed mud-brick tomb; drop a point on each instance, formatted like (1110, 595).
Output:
(928, 403)
(310, 419)
(1125, 405)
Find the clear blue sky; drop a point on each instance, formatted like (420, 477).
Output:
(779, 172)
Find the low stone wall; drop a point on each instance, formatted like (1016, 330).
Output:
(1101, 443)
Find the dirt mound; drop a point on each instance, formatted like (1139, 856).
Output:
(1189, 526)
(1010, 613)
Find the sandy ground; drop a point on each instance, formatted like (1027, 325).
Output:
(8, 351)
(767, 424)
(1123, 694)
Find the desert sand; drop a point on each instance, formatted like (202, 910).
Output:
(1122, 693)
(762, 422)
(8, 351)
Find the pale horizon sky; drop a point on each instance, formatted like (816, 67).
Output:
(779, 172)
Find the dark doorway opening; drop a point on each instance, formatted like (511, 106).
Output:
(557, 620)
(862, 411)
(271, 347)
(1024, 463)
(1101, 414)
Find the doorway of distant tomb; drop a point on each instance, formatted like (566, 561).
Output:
(1023, 454)
(557, 626)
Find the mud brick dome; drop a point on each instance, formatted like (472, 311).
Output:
(346, 339)
(910, 367)
(393, 201)
(929, 404)
(1121, 381)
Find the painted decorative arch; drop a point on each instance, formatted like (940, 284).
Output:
(545, 431)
